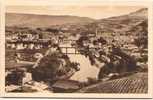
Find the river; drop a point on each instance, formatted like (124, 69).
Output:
(86, 69)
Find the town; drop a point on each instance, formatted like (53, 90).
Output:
(72, 58)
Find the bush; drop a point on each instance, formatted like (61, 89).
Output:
(46, 69)
(52, 67)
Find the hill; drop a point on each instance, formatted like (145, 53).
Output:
(133, 24)
(33, 20)
(125, 23)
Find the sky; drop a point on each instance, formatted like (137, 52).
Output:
(92, 11)
(96, 12)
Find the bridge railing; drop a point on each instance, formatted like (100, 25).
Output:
(74, 50)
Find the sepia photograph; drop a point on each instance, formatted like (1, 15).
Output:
(76, 49)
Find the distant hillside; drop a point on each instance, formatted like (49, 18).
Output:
(125, 23)
(140, 13)
(132, 23)
(32, 20)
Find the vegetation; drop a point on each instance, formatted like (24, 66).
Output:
(141, 41)
(57, 66)
(52, 67)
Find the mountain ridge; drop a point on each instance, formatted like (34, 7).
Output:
(34, 20)
(123, 23)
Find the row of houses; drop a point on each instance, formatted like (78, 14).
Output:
(28, 40)
(24, 36)
(28, 44)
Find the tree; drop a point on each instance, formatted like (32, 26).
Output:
(33, 32)
(39, 29)
(53, 67)
(120, 63)
(141, 41)
(102, 40)
(52, 30)
(81, 39)
(46, 69)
